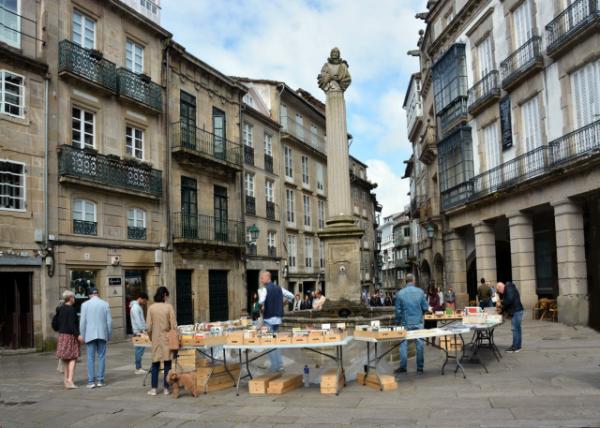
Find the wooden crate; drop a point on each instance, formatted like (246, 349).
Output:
(283, 338)
(260, 384)
(388, 382)
(285, 383)
(268, 340)
(252, 340)
(300, 339)
(331, 383)
(235, 338)
(216, 379)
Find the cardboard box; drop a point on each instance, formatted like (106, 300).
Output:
(141, 340)
(300, 339)
(284, 338)
(260, 384)
(285, 383)
(268, 340)
(235, 338)
(252, 341)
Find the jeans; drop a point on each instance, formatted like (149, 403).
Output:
(420, 349)
(516, 329)
(275, 356)
(154, 373)
(139, 353)
(486, 303)
(93, 347)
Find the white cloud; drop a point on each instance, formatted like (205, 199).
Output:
(392, 190)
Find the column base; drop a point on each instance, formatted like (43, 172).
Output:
(573, 309)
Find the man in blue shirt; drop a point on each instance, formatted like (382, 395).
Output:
(95, 328)
(272, 297)
(411, 304)
(138, 326)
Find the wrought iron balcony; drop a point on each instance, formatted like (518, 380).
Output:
(269, 163)
(523, 62)
(203, 229)
(82, 227)
(270, 210)
(303, 133)
(453, 116)
(272, 251)
(248, 155)
(582, 142)
(139, 89)
(136, 233)
(86, 64)
(90, 168)
(199, 147)
(457, 195)
(250, 205)
(577, 21)
(484, 92)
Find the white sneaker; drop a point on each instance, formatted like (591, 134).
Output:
(90, 386)
(140, 371)
(99, 385)
(166, 392)
(152, 391)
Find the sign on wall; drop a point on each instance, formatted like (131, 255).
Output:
(505, 122)
(114, 280)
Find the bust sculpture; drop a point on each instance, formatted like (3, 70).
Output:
(334, 74)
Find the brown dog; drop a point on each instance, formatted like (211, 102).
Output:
(187, 380)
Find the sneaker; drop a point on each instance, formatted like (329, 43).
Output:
(400, 370)
(90, 386)
(166, 392)
(419, 371)
(517, 350)
(99, 384)
(140, 371)
(152, 391)
(510, 350)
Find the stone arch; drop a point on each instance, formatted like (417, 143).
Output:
(424, 275)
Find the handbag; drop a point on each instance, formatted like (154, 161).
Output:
(173, 340)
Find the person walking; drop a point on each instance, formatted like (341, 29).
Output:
(512, 308)
(484, 294)
(95, 329)
(273, 297)
(410, 307)
(67, 348)
(161, 320)
(138, 326)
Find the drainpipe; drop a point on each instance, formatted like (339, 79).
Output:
(168, 150)
(283, 205)
(44, 287)
(242, 202)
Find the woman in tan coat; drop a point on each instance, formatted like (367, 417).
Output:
(161, 320)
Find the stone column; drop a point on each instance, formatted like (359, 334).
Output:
(573, 303)
(456, 266)
(485, 251)
(522, 257)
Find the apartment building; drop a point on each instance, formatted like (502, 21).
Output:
(515, 114)
(403, 250)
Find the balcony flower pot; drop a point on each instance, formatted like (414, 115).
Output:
(145, 78)
(96, 54)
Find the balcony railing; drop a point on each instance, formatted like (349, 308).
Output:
(205, 144)
(576, 19)
(251, 249)
(201, 228)
(136, 233)
(86, 64)
(453, 116)
(139, 88)
(108, 171)
(303, 133)
(540, 161)
(272, 251)
(270, 210)
(248, 155)
(269, 163)
(250, 205)
(484, 91)
(521, 62)
(82, 227)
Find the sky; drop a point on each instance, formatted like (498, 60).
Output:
(290, 40)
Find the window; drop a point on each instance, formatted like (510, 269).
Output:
(320, 178)
(136, 217)
(269, 193)
(305, 179)
(10, 23)
(12, 186)
(531, 124)
(314, 135)
(486, 57)
(492, 146)
(321, 254)
(249, 184)
(306, 200)
(268, 144)
(407, 232)
(271, 239)
(523, 28)
(84, 30)
(292, 251)
(134, 142)
(321, 213)
(84, 217)
(12, 92)
(289, 194)
(299, 127)
(283, 116)
(150, 6)
(308, 251)
(134, 57)
(247, 131)
(288, 160)
(585, 84)
(83, 128)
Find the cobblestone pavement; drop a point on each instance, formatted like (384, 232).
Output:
(554, 381)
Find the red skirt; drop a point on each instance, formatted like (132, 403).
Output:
(68, 347)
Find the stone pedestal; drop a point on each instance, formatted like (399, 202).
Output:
(485, 251)
(573, 302)
(456, 267)
(523, 257)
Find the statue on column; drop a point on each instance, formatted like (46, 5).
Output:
(334, 74)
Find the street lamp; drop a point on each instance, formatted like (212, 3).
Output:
(430, 230)
(253, 232)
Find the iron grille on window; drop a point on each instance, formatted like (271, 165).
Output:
(82, 227)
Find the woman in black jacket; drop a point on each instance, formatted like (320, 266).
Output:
(67, 348)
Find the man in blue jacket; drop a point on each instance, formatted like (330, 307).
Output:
(95, 328)
(411, 304)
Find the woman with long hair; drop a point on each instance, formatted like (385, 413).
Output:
(67, 348)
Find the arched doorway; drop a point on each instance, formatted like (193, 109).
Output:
(438, 268)
(425, 275)
(472, 276)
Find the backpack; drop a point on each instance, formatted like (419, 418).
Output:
(55, 325)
